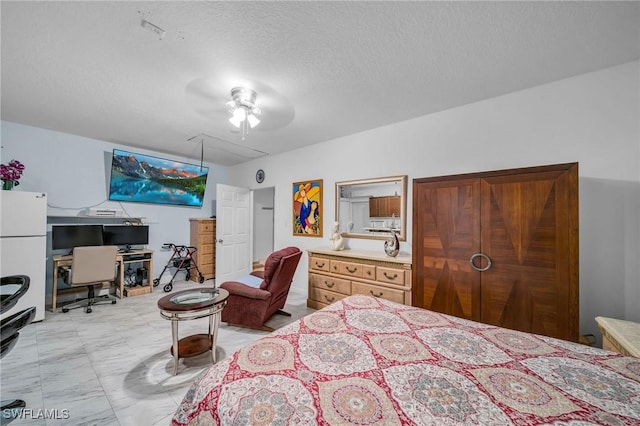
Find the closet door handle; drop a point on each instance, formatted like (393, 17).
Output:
(473, 265)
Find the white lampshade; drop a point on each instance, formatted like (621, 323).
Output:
(239, 114)
(253, 120)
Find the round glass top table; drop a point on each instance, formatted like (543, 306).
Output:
(189, 305)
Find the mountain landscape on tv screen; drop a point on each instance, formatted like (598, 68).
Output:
(146, 179)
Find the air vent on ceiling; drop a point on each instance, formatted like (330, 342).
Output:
(153, 28)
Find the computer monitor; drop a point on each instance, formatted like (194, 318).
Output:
(126, 235)
(66, 237)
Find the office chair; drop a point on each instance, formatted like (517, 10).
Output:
(92, 265)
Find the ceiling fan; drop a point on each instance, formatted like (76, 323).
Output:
(243, 109)
(242, 103)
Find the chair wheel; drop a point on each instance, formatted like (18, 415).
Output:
(168, 287)
(187, 277)
(113, 302)
(65, 310)
(89, 310)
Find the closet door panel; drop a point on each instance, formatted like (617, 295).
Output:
(525, 234)
(447, 226)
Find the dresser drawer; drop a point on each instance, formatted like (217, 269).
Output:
(206, 270)
(383, 292)
(330, 283)
(206, 227)
(390, 275)
(319, 264)
(205, 249)
(350, 269)
(325, 296)
(206, 239)
(205, 263)
(369, 272)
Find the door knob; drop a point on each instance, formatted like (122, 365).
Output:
(220, 241)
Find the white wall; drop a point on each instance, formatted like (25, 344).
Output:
(592, 119)
(74, 170)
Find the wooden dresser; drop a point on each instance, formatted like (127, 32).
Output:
(620, 336)
(334, 275)
(203, 237)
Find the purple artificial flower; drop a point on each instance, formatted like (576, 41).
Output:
(11, 171)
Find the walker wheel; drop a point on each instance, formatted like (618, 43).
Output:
(65, 310)
(187, 277)
(156, 281)
(89, 310)
(201, 278)
(113, 302)
(168, 287)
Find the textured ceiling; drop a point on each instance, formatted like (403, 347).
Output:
(321, 69)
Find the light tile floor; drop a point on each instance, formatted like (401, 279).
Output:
(113, 366)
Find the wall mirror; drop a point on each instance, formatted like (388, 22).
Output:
(372, 208)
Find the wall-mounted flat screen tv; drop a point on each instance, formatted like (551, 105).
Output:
(145, 179)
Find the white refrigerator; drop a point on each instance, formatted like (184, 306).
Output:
(23, 245)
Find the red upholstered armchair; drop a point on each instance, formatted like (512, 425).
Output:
(251, 307)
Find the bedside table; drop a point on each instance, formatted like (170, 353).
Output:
(620, 336)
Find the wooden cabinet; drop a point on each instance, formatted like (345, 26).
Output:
(334, 275)
(203, 238)
(525, 223)
(384, 206)
(620, 336)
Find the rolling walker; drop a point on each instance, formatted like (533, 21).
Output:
(182, 260)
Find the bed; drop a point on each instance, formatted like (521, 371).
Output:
(368, 361)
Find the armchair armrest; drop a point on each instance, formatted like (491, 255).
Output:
(240, 289)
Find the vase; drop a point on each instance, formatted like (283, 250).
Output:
(8, 185)
(392, 245)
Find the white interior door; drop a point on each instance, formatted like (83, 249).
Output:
(234, 224)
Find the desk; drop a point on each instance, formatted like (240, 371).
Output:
(620, 336)
(122, 259)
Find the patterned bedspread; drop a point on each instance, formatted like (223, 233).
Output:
(368, 361)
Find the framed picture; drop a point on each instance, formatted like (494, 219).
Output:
(307, 208)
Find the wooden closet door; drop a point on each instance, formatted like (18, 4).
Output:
(446, 231)
(529, 231)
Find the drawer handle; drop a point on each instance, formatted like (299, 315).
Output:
(368, 272)
(376, 295)
(350, 270)
(329, 300)
(389, 277)
(330, 285)
(320, 265)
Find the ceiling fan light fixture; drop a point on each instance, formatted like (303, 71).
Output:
(243, 109)
(253, 120)
(239, 115)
